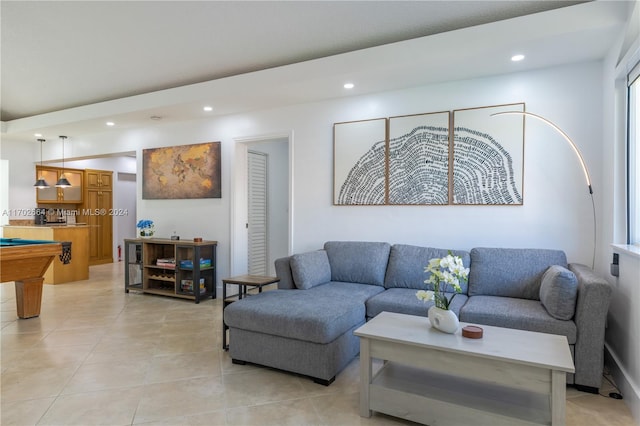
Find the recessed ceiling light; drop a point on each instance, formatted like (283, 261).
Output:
(37, 135)
(348, 85)
(516, 58)
(110, 123)
(207, 108)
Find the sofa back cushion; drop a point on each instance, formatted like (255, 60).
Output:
(358, 261)
(407, 263)
(558, 292)
(310, 269)
(511, 272)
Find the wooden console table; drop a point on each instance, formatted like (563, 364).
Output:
(175, 268)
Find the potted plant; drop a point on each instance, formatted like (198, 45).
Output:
(145, 228)
(446, 274)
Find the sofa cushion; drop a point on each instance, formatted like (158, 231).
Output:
(511, 272)
(521, 314)
(558, 292)
(352, 292)
(358, 261)
(407, 263)
(310, 269)
(320, 314)
(404, 301)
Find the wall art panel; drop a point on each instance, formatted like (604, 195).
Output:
(488, 157)
(180, 172)
(359, 155)
(419, 159)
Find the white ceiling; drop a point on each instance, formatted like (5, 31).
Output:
(67, 67)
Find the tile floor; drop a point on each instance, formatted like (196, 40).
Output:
(99, 356)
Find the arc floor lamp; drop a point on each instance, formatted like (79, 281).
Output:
(580, 158)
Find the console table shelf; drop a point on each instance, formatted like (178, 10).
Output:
(145, 272)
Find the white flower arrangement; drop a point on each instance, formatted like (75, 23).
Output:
(448, 271)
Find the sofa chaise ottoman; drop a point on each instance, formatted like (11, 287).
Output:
(310, 331)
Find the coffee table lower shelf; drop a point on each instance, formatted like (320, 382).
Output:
(432, 398)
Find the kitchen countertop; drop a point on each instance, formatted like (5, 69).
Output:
(49, 225)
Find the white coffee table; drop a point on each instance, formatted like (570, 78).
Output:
(507, 377)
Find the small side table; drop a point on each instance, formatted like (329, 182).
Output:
(244, 283)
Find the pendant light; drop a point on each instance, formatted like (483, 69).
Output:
(63, 182)
(41, 183)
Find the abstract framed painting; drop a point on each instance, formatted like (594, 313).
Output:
(488, 157)
(359, 162)
(182, 172)
(418, 156)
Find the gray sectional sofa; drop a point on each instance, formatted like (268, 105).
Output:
(306, 325)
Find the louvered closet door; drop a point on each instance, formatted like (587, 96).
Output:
(257, 226)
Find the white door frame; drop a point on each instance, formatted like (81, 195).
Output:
(238, 206)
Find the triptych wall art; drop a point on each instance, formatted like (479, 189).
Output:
(464, 157)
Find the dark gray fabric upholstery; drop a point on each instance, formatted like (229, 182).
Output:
(310, 269)
(558, 292)
(592, 305)
(511, 272)
(358, 261)
(283, 272)
(355, 292)
(510, 312)
(404, 301)
(407, 263)
(321, 361)
(317, 315)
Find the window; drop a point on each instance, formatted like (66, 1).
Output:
(633, 158)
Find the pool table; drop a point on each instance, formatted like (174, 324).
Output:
(25, 262)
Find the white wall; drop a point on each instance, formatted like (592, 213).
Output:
(22, 158)
(623, 325)
(124, 199)
(4, 194)
(623, 330)
(556, 211)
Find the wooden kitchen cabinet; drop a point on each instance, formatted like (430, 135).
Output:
(53, 195)
(99, 179)
(97, 212)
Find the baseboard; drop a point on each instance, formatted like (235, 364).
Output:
(628, 389)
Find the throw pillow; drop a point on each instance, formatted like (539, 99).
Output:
(310, 269)
(558, 292)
